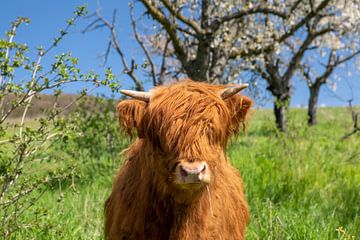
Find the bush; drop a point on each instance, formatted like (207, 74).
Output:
(29, 162)
(98, 141)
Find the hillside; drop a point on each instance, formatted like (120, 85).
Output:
(43, 102)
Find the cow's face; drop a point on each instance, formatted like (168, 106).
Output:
(187, 125)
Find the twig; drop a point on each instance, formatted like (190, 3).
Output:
(2, 80)
(5, 141)
(28, 101)
(171, 29)
(11, 38)
(354, 115)
(355, 118)
(242, 13)
(115, 43)
(76, 99)
(141, 43)
(163, 63)
(176, 13)
(268, 48)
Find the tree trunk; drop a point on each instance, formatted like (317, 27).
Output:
(281, 106)
(312, 106)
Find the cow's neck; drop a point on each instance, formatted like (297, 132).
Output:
(184, 220)
(190, 220)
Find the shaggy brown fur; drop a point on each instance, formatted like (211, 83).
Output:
(185, 120)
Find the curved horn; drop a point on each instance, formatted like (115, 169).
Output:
(230, 91)
(143, 96)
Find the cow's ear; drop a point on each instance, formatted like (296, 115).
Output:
(239, 107)
(131, 113)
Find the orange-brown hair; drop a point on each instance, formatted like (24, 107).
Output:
(173, 106)
(183, 120)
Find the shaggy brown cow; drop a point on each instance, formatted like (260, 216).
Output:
(177, 182)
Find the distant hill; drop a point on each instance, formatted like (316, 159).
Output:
(42, 102)
(47, 101)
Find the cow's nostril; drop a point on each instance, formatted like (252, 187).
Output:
(183, 172)
(203, 170)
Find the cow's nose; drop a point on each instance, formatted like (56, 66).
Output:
(193, 172)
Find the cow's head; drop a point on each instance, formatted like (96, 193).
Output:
(187, 125)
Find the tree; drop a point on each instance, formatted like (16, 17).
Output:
(214, 41)
(319, 20)
(199, 38)
(337, 47)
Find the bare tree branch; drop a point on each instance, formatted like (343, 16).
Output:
(28, 101)
(242, 13)
(330, 66)
(348, 58)
(205, 14)
(296, 4)
(300, 53)
(163, 63)
(179, 46)
(92, 26)
(268, 48)
(355, 121)
(141, 43)
(176, 13)
(130, 71)
(107, 52)
(355, 116)
(305, 20)
(187, 31)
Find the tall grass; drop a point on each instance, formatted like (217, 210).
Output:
(300, 185)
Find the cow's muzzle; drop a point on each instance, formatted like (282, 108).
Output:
(192, 173)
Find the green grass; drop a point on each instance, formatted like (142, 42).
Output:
(301, 185)
(71, 214)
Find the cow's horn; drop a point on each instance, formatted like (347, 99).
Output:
(230, 91)
(143, 96)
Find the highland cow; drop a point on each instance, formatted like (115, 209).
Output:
(177, 182)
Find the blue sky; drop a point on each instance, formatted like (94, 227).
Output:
(49, 16)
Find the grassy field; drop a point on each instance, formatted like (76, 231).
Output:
(300, 185)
